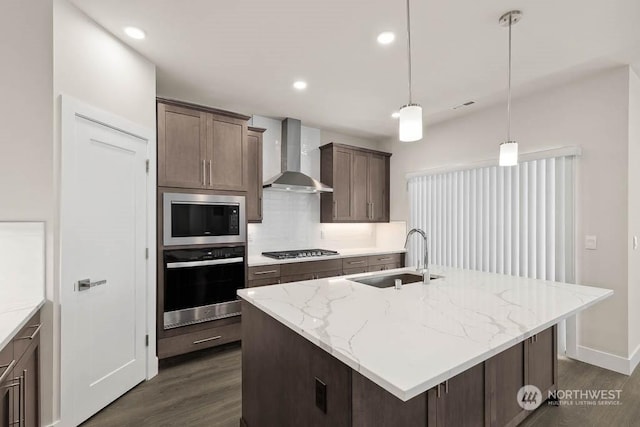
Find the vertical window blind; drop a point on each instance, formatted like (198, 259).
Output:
(517, 220)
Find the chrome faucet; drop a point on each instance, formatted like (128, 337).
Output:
(426, 277)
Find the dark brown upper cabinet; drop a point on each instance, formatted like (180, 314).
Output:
(360, 181)
(201, 147)
(254, 162)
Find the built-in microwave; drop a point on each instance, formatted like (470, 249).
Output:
(196, 219)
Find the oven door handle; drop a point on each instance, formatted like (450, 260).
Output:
(235, 260)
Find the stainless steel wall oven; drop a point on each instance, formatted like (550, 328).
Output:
(201, 284)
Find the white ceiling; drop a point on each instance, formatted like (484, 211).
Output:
(244, 55)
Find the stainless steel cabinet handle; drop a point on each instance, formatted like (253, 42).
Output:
(259, 273)
(373, 210)
(335, 208)
(446, 387)
(357, 262)
(204, 172)
(208, 339)
(210, 173)
(7, 369)
(23, 399)
(385, 259)
(203, 263)
(438, 391)
(86, 284)
(35, 332)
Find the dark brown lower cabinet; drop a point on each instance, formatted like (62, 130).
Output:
(459, 401)
(288, 381)
(20, 378)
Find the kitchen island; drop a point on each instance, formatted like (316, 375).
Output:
(334, 352)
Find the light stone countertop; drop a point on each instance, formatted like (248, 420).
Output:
(11, 321)
(259, 260)
(408, 341)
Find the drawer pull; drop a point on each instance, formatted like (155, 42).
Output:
(33, 335)
(7, 369)
(208, 339)
(356, 262)
(260, 273)
(385, 259)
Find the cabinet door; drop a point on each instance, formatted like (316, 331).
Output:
(181, 147)
(542, 360)
(28, 369)
(506, 372)
(360, 207)
(378, 187)
(254, 171)
(342, 184)
(7, 391)
(462, 399)
(226, 155)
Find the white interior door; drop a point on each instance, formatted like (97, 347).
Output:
(103, 228)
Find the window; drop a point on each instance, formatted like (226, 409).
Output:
(517, 220)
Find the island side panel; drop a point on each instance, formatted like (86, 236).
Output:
(279, 371)
(374, 406)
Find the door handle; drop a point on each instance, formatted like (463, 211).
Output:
(7, 369)
(204, 173)
(210, 173)
(35, 332)
(335, 209)
(86, 284)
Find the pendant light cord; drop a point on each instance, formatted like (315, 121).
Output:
(409, 46)
(509, 89)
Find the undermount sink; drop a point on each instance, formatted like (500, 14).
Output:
(388, 280)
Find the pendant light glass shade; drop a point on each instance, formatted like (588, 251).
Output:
(411, 123)
(508, 153)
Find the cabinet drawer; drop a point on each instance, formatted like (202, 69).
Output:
(6, 357)
(385, 259)
(355, 262)
(263, 282)
(297, 268)
(206, 338)
(383, 267)
(26, 336)
(264, 272)
(325, 274)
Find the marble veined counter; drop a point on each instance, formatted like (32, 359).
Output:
(408, 341)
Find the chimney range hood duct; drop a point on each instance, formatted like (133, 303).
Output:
(291, 179)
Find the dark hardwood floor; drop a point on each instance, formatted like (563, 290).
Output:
(204, 389)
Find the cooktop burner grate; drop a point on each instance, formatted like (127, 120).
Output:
(303, 253)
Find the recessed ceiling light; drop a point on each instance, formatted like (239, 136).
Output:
(135, 33)
(386, 38)
(395, 115)
(300, 85)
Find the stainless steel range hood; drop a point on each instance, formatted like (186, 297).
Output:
(291, 179)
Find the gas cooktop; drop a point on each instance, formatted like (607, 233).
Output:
(303, 253)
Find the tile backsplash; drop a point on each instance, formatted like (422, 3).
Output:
(292, 221)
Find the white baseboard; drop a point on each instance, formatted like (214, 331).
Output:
(609, 361)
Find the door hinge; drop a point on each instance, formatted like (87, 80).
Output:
(147, 165)
(146, 340)
(146, 253)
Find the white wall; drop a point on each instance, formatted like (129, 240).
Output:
(26, 133)
(93, 66)
(634, 212)
(591, 113)
(328, 136)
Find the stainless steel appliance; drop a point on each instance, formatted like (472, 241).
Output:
(195, 219)
(303, 253)
(201, 284)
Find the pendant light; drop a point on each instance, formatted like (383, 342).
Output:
(509, 148)
(410, 114)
